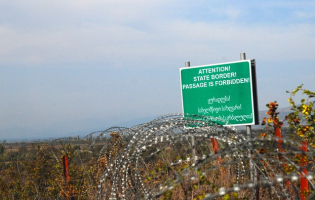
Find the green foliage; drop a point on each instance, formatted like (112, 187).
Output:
(226, 197)
(302, 117)
(167, 195)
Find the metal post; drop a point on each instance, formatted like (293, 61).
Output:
(249, 137)
(187, 64)
(243, 56)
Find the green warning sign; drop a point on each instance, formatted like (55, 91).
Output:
(225, 91)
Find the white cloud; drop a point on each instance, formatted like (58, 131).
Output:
(304, 14)
(119, 31)
(97, 43)
(233, 13)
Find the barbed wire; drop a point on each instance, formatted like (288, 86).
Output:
(167, 135)
(174, 154)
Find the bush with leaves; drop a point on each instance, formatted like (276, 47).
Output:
(302, 117)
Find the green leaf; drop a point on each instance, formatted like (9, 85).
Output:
(235, 195)
(226, 197)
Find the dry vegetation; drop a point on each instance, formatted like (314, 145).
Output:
(36, 171)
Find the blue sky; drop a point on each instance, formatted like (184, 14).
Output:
(80, 66)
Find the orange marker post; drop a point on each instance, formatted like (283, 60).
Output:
(65, 168)
(216, 148)
(304, 181)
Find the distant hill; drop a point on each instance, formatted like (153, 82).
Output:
(282, 113)
(86, 126)
(137, 121)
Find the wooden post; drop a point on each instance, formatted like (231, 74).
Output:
(304, 181)
(215, 145)
(281, 150)
(279, 136)
(216, 148)
(65, 168)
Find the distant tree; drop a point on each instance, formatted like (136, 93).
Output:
(2, 148)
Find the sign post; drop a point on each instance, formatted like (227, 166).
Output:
(187, 64)
(253, 175)
(225, 93)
